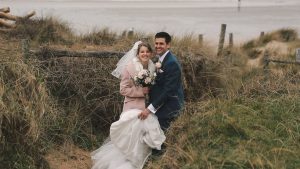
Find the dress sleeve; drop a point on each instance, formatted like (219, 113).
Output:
(127, 88)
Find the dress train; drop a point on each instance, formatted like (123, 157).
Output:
(131, 142)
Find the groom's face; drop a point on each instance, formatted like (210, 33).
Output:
(161, 46)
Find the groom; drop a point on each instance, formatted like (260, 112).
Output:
(166, 96)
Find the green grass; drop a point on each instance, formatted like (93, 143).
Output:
(257, 127)
(238, 133)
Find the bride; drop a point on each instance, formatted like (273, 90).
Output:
(131, 140)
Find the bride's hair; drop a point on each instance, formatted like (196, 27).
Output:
(147, 45)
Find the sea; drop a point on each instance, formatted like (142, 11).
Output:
(246, 19)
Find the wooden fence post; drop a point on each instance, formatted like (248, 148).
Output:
(124, 33)
(25, 49)
(266, 62)
(230, 40)
(262, 34)
(298, 55)
(130, 33)
(200, 39)
(222, 39)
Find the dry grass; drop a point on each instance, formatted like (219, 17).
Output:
(68, 157)
(259, 128)
(255, 126)
(279, 43)
(87, 91)
(72, 101)
(282, 35)
(42, 31)
(27, 111)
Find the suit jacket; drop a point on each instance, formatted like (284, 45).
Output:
(134, 96)
(167, 94)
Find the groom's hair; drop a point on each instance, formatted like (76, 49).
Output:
(164, 35)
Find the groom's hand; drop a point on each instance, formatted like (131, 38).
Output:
(144, 114)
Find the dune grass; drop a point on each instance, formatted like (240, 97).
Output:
(47, 103)
(27, 111)
(253, 48)
(282, 35)
(235, 117)
(237, 133)
(258, 127)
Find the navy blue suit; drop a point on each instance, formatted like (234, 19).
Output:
(167, 94)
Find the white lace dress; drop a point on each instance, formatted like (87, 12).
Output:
(131, 142)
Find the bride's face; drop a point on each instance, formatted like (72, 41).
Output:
(144, 54)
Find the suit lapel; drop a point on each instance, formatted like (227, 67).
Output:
(167, 57)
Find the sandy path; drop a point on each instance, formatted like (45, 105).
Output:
(69, 157)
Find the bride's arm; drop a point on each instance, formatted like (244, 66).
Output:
(127, 88)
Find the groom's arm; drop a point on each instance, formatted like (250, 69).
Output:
(152, 109)
(173, 77)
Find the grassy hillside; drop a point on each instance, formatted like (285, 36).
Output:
(237, 114)
(258, 128)
(27, 112)
(255, 127)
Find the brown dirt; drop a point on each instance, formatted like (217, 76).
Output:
(69, 157)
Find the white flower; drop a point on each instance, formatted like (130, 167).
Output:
(140, 75)
(135, 78)
(145, 72)
(148, 80)
(158, 65)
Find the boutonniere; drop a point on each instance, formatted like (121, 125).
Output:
(158, 67)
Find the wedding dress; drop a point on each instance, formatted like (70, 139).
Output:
(131, 142)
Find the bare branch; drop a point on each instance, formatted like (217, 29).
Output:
(5, 9)
(8, 16)
(5, 30)
(32, 13)
(14, 18)
(3, 23)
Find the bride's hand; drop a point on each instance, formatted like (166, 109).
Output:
(144, 114)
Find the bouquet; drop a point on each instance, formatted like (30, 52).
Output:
(145, 78)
